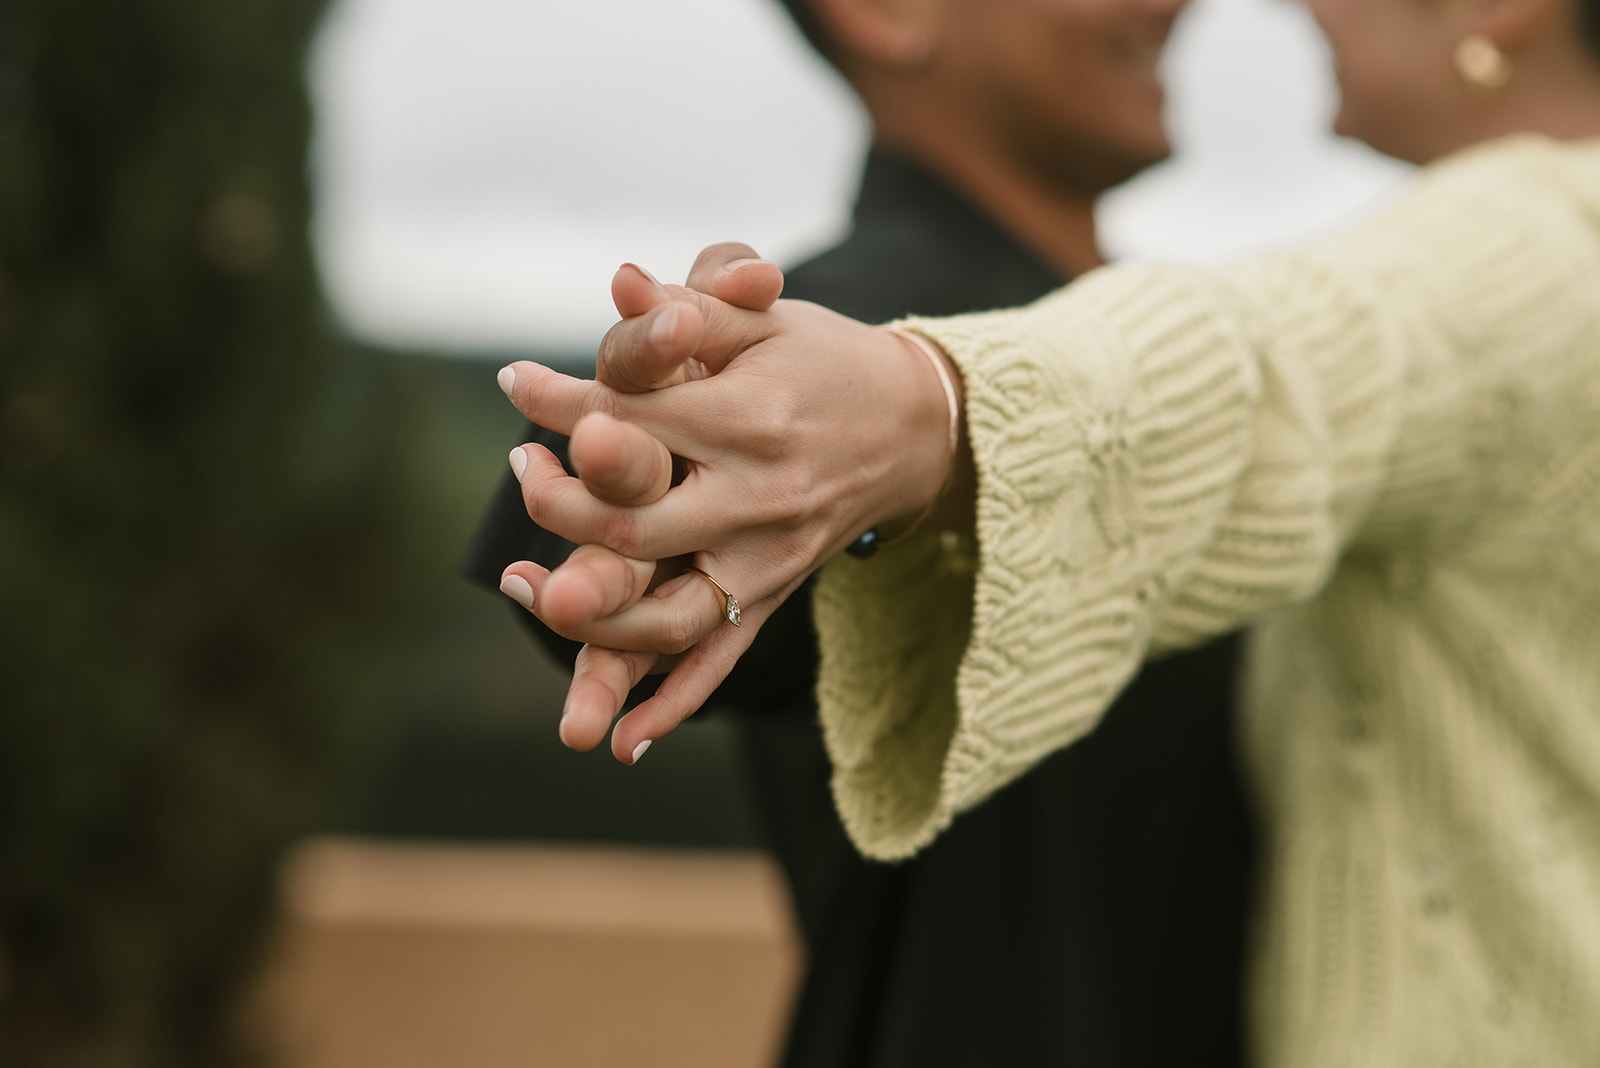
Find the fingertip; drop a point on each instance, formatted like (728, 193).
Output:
(593, 420)
(581, 441)
(619, 463)
(570, 731)
(648, 353)
(736, 274)
(570, 599)
(635, 290)
(753, 284)
(664, 330)
(523, 582)
(642, 727)
(624, 745)
(512, 373)
(721, 257)
(633, 268)
(673, 338)
(517, 588)
(585, 715)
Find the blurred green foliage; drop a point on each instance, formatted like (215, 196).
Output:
(466, 745)
(228, 613)
(200, 513)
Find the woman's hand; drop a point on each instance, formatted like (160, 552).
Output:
(625, 466)
(806, 429)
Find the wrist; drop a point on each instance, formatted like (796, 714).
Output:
(935, 366)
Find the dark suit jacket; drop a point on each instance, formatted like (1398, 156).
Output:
(1091, 914)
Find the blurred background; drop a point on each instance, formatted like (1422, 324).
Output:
(259, 262)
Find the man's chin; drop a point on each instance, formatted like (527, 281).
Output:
(1134, 161)
(1090, 169)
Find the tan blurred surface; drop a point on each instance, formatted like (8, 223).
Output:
(401, 955)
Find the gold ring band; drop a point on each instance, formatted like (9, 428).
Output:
(730, 603)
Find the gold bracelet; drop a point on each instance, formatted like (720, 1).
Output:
(937, 359)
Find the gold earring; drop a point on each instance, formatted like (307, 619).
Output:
(1481, 64)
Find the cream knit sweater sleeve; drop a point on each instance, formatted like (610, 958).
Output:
(1165, 454)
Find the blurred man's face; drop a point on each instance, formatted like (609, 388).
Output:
(1071, 88)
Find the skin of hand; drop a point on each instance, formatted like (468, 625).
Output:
(803, 429)
(624, 465)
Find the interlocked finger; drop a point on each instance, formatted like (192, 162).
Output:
(677, 524)
(734, 273)
(672, 618)
(652, 350)
(712, 332)
(691, 682)
(601, 681)
(593, 583)
(618, 462)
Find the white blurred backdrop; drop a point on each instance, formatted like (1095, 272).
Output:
(482, 166)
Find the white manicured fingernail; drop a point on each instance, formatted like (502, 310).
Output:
(519, 462)
(734, 265)
(516, 587)
(507, 378)
(638, 751)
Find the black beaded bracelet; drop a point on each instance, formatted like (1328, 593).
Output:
(865, 545)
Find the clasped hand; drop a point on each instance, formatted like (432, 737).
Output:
(727, 430)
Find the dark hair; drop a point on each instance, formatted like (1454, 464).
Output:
(1588, 23)
(805, 18)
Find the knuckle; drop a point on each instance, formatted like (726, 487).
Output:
(535, 392)
(625, 535)
(533, 500)
(632, 580)
(682, 631)
(772, 428)
(538, 498)
(794, 504)
(615, 688)
(617, 364)
(605, 353)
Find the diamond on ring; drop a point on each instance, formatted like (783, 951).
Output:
(730, 603)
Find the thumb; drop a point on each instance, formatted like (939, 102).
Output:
(734, 274)
(635, 291)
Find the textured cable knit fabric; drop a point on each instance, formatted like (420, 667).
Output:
(1382, 453)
